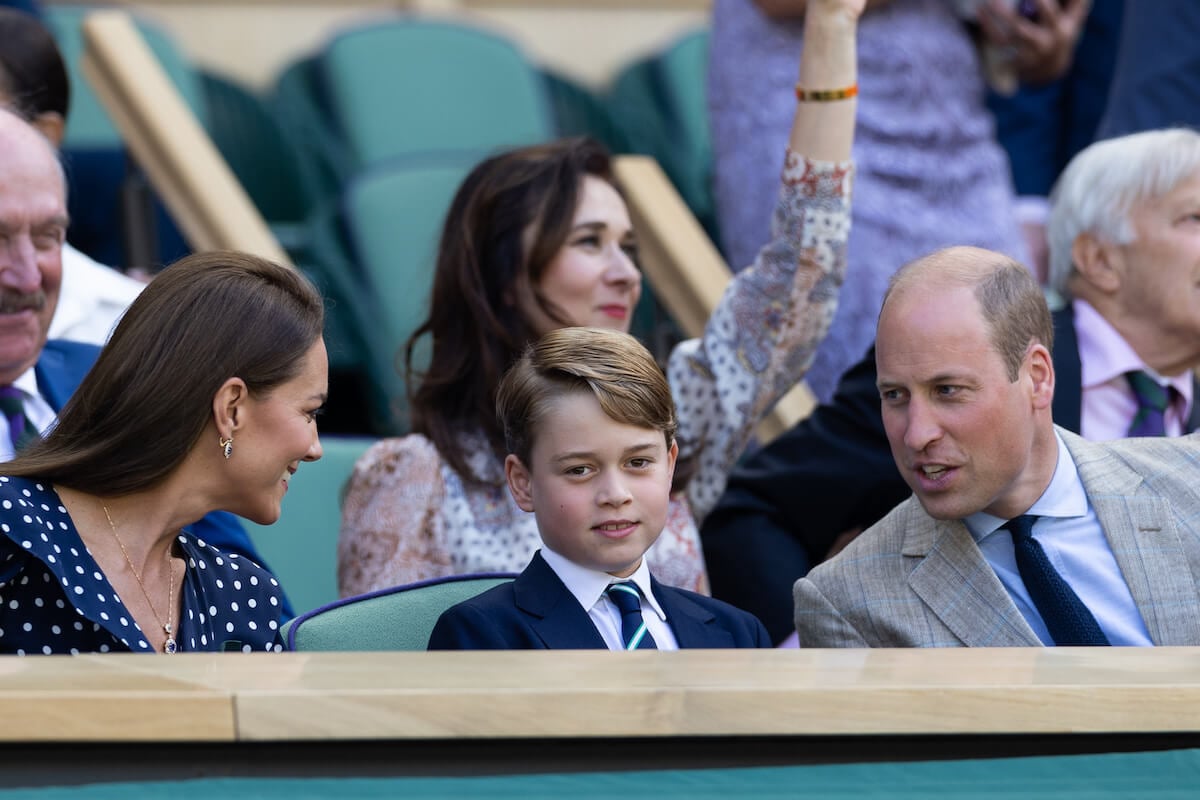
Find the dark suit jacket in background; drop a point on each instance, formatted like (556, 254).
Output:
(786, 504)
(1157, 78)
(60, 369)
(536, 611)
(1043, 127)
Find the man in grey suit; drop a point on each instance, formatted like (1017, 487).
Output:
(1018, 532)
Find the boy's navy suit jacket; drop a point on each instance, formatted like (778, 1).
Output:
(536, 612)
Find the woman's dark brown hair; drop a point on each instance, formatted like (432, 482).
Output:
(207, 318)
(508, 220)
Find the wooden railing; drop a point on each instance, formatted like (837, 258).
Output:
(205, 198)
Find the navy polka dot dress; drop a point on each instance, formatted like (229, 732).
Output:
(55, 599)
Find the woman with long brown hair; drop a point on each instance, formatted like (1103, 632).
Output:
(205, 398)
(540, 238)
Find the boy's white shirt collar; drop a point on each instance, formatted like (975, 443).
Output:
(588, 585)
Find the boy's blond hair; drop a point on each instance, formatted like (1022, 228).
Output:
(615, 367)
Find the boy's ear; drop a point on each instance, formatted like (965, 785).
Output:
(672, 456)
(519, 482)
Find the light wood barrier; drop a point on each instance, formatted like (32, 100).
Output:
(686, 270)
(515, 694)
(211, 207)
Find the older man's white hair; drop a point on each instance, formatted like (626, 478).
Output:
(1104, 182)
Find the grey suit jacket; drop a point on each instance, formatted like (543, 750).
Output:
(913, 581)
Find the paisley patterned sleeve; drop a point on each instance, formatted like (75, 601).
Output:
(391, 528)
(764, 333)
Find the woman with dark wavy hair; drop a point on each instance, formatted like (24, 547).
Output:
(205, 398)
(540, 238)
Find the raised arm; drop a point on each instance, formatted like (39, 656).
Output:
(765, 331)
(824, 129)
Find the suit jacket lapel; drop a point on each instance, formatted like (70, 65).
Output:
(959, 586)
(691, 623)
(60, 369)
(554, 613)
(1145, 541)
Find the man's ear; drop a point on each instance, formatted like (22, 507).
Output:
(1041, 374)
(520, 482)
(52, 125)
(229, 407)
(1098, 264)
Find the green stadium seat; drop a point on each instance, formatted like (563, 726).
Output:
(302, 546)
(660, 107)
(393, 215)
(413, 86)
(400, 618)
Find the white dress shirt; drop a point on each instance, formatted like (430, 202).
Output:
(91, 299)
(589, 585)
(1071, 536)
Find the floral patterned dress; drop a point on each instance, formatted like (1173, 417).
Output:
(407, 516)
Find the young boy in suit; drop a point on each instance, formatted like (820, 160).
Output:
(589, 424)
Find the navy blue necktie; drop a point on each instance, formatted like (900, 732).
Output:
(1152, 399)
(1066, 617)
(628, 600)
(21, 430)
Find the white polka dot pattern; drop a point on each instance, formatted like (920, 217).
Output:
(55, 599)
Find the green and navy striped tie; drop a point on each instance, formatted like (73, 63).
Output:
(628, 600)
(1153, 399)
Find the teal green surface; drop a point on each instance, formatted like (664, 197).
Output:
(1168, 775)
(397, 621)
(301, 548)
(659, 106)
(416, 86)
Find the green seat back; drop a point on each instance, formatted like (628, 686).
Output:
(660, 107)
(298, 103)
(578, 111)
(392, 619)
(393, 216)
(301, 548)
(250, 140)
(412, 86)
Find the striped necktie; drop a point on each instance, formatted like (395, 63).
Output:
(1152, 400)
(1068, 620)
(21, 430)
(628, 600)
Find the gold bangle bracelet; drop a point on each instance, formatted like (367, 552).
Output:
(825, 95)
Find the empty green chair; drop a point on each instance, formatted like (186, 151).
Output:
(411, 86)
(400, 618)
(264, 161)
(393, 216)
(660, 107)
(578, 111)
(298, 103)
(301, 547)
